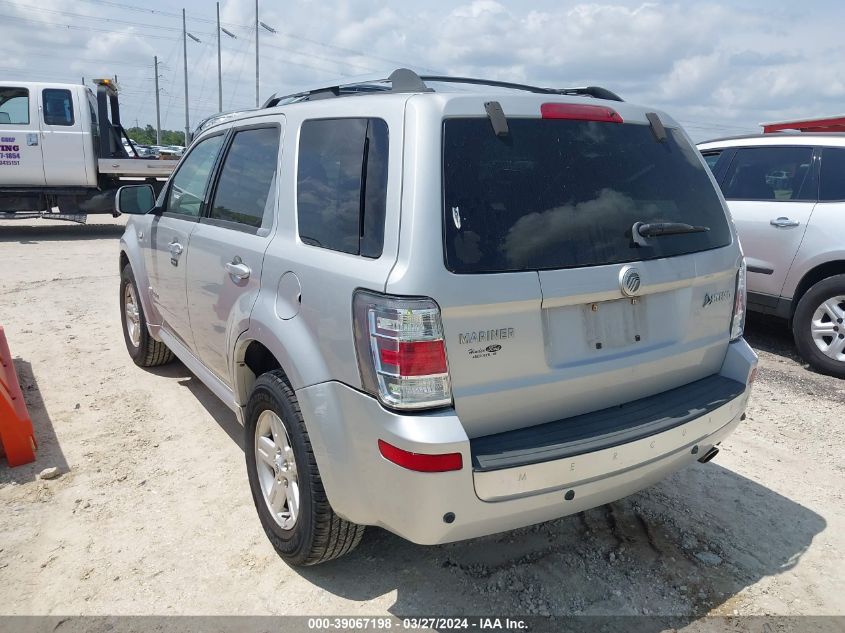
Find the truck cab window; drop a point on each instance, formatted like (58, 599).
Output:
(95, 123)
(58, 107)
(14, 106)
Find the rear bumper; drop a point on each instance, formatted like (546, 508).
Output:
(345, 426)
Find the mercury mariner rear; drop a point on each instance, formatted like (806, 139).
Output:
(562, 327)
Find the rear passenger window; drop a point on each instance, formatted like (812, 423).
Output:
(58, 107)
(14, 106)
(342, 184)
(832, 185)
(770, 173)
(247, 181)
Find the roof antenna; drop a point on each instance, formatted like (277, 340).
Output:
(404, 80)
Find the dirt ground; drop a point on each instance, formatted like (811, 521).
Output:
(152, 514)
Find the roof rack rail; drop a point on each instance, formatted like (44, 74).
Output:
(596, 92)
(590, 91)
(219, 117)
(405, 80)
(400, 80)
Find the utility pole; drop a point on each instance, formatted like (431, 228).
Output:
(220, 30)
(256, 53)
(185, 57)
(158, 107)
(219, 66)
(271, 30)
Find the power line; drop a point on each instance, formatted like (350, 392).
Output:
(87, 17)
(327, 59)
(110, 62)
(355, 52)
(161, 37)
(77, 27)
(243, 52)
(131, 7)
(248, 28)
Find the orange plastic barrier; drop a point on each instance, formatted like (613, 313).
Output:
(17, 439)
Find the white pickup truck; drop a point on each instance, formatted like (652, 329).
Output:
(61, 146)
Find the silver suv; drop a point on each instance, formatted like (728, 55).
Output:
(446, 313)
(786, 193)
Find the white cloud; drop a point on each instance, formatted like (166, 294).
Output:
(713, 65)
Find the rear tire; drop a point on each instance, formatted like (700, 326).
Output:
(143, 348)
(280, 461)
(818, 326)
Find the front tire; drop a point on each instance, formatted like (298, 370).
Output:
(285, 482)
(819, 326)
(143, 348)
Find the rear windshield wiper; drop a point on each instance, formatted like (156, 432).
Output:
(642, 230)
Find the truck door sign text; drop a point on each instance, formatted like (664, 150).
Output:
(10, 152)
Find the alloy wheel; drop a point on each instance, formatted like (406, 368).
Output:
(827, 328)
(276, 468)
(132, 314)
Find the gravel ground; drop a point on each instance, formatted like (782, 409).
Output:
(152, 512)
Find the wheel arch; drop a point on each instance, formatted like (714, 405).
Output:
(814, 276)
(261, 349)
(253, 358)
(131, 254)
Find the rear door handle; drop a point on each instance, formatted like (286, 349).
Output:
(783, 222)
(237, 269)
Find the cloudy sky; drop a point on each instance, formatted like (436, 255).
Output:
(719, 67)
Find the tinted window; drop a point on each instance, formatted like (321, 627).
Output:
(187, 189)
(711, 159)
(832, 185)
(341, 184)
(248, 178)
(560, 194)
(14, 106)
(770, 173)
(95, 124)
(58, 107)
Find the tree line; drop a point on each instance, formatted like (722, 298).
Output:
(147, 136)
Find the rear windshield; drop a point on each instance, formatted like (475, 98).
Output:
(563, 194)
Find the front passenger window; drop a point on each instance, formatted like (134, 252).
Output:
(14, 106)
(187, 189)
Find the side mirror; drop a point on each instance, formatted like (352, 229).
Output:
(135, 199)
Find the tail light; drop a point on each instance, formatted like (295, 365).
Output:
(740, 298)
(579, 112)
(401, 351)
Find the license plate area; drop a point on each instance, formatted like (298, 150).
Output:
(615, 324)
